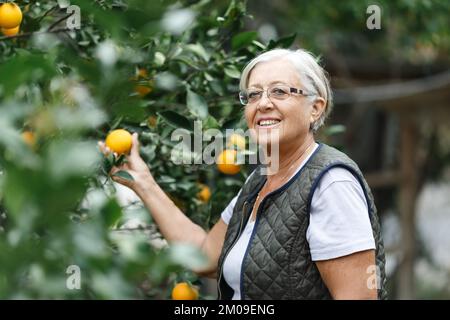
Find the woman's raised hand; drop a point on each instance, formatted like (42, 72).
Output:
(133, 164)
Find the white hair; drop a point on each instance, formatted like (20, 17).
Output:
(312, 75)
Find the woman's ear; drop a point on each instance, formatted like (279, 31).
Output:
(318, 108)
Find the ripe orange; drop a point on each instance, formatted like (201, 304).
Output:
(204, 194)
(143, 87)
(226, 162)
(10, 15)
(152, 121)
(183, 291)
(141, 73)
(142, 90)
(119, 141)
(11, 32)
(237, 140)
(29, 138)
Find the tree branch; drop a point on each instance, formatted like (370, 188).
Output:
(29, 34)
(60, 20)
(46, 13)
(393, 90)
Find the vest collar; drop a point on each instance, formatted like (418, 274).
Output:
(286, 185)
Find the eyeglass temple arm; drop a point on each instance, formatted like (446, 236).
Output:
(300, 91)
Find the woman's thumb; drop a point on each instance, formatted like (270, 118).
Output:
(135, 144)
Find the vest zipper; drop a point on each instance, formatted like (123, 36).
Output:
(231, 247)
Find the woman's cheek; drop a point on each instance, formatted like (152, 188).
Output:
(248, 118)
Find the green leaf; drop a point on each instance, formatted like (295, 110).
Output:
(108, 163)
(232, 123)
(167, 81)
(111, 212)
(199, 50)
(166, 179)
(68, 158)
(196, 104)
(232, 72)
(187, 255)
(187, 61)
(159, 58)
(243, 39)
(109, 20)
(176, 120)
(63, 3)
(285, 42)
(124, 175)
(208, 76)
(259, 45)
(335, 129)
(23, 69)
(210, 122)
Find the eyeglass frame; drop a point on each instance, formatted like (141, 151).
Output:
(291, 90)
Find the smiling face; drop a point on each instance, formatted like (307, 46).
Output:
(291, 118)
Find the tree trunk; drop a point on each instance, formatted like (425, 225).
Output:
(407, 205)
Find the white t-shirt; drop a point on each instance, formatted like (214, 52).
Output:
(339, 223)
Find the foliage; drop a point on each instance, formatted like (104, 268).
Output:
(412, 31)
(70, 88)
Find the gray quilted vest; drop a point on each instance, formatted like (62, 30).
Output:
(277, 263)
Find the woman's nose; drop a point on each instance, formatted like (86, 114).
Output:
(265, 102)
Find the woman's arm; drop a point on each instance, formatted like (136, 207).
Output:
(349, 277)
(341, 237)
(174, 225)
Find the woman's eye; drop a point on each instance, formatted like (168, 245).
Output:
(279, 91)
(253, 94)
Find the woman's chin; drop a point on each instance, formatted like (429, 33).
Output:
(267, 141)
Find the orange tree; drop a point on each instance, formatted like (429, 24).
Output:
(76, 71)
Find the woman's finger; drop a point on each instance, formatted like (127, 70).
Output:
(103, 148)
(135, 145)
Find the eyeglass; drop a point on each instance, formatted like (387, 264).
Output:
(278, 92)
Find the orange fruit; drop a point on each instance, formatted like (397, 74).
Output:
(204, 194)
(10, 15)
(119, 141)
(143, 87)
(183, 291)
(141, 73)
(29, 138)
(226, 162)
(11, 32)
(142, 90)
(152, 121)
(236, 140)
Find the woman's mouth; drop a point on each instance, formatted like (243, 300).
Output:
(267, 124)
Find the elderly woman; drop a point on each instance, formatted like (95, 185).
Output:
(309, 229)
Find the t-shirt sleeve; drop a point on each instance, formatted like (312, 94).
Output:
(339, 218)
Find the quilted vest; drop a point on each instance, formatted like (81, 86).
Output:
(277, 263)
